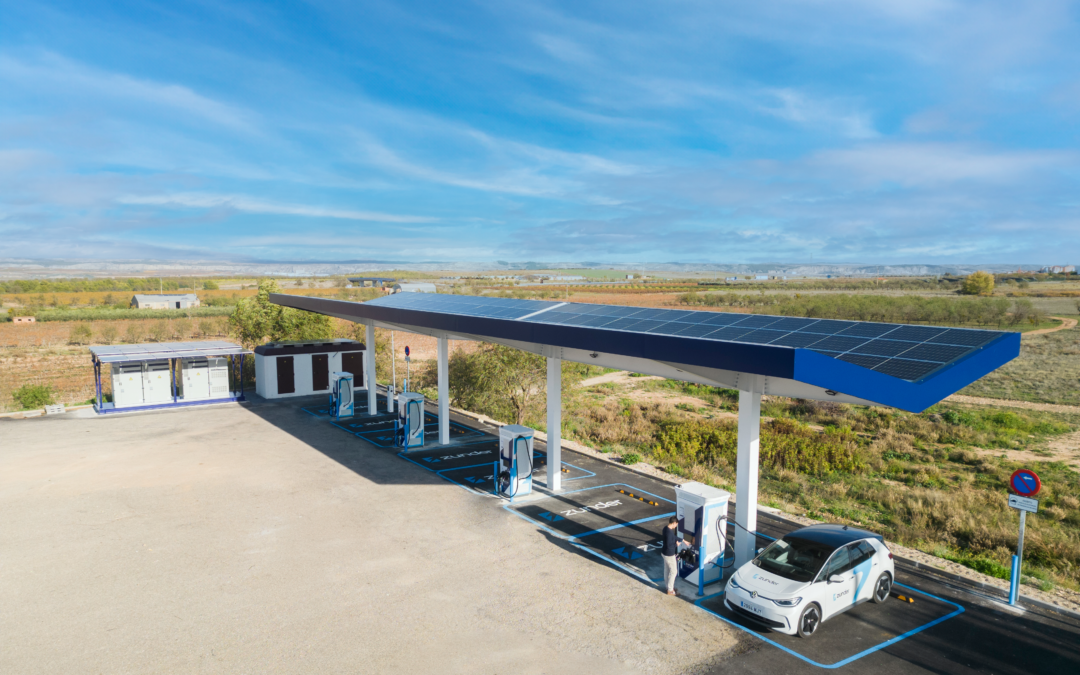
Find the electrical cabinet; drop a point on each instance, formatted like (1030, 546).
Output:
(195, 376)
(219, 377)
(157, 382)
(127, 384)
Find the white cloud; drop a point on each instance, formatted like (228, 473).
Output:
(797, 107)
(565, 49)
(61, 76)
(251, 205)
(936, 164)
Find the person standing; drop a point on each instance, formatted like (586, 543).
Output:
(669, 553)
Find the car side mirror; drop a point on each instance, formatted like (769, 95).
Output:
(836, 579)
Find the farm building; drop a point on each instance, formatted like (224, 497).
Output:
(178, 301)
(24, 319)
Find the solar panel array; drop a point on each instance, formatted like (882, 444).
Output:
(902, 351)
(165, 350)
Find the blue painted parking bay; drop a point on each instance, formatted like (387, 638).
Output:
(855, 634)
(618, 522)
(379, 429)
(471, 465)
(468, 459)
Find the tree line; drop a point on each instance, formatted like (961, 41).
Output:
(102, 285)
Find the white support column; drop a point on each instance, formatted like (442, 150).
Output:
(746, 478)
(372, 404)
(554, 424)
(444, 390)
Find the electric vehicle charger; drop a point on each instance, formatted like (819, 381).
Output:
(409, 424)
(341, 395)
(702, 514)
(514, 468)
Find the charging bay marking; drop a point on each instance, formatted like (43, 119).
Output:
(837, 638)
(479, 475)
(608, 524)
(591, 510)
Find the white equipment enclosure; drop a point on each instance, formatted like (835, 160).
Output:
(513, 470)
(410, 420)
(157, 382)
(127, 384)
(204, 378)
(702, 512)
(169, 374)
(285, 369)
(341, 395)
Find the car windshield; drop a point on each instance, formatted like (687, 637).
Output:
(795, 559)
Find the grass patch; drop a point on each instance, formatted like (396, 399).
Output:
(1047, 371)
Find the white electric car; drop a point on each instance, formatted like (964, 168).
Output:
(809, 576)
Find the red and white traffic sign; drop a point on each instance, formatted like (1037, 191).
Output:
(1025, 483)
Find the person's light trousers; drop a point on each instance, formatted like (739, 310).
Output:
(671, 571)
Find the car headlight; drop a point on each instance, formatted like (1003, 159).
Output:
(791, 602)
(734, 584)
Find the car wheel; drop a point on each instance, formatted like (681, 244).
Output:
(809, 621)
(882, 588)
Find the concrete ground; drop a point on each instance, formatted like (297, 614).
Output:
(261, 539)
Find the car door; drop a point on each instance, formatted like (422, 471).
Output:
(838, 595)
(865, 567)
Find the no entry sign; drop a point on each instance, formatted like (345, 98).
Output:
(1025, 483)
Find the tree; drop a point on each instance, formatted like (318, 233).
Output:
(978, 283)
(210, 285)
(80, 334)
(108, 333)
(159, 330)
(256, 320)
(504, 383)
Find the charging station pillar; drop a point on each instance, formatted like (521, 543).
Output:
(444, 390)
(746, 477)
(372, 403)
(554, 424)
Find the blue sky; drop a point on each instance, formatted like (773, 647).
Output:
(898, 131)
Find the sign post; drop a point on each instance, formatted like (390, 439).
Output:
(408, 369)
(1026, 484)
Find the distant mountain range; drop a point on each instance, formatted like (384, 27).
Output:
(12, 268)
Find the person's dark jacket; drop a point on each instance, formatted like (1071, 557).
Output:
(671, 541)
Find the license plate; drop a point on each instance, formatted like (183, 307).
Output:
(752, 608)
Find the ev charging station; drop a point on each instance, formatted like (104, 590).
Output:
(341, 395)
(702, 512)
(410, 420)
(759, 355)
(513, 470)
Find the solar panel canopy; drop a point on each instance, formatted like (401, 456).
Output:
(894, 364)
(165, 350)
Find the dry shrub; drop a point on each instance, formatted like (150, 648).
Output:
(621, 422)
(1069, 502)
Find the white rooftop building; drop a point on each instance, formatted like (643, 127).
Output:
(175, 301)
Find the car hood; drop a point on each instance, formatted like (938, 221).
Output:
(753, 578)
